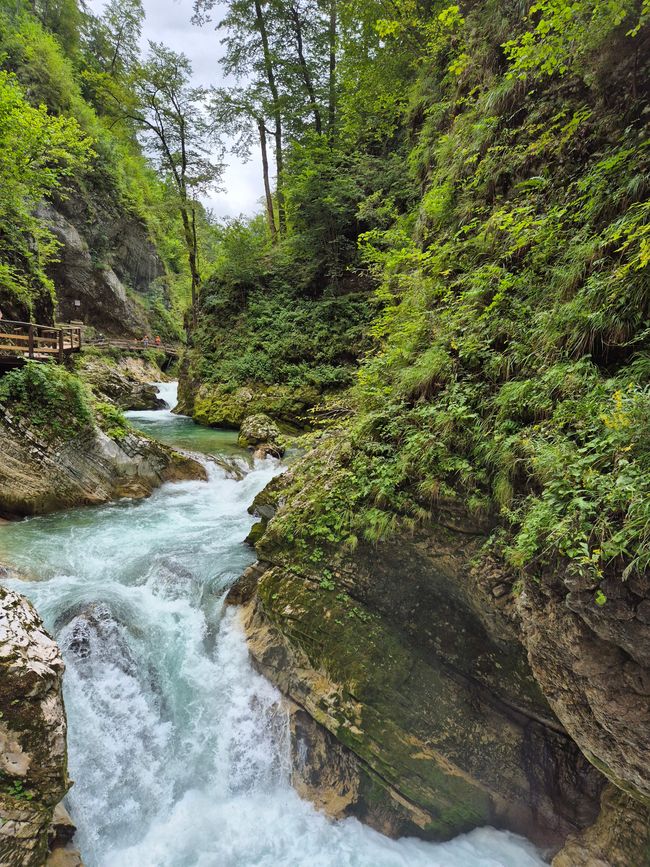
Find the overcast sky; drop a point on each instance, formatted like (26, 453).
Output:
(169, 21)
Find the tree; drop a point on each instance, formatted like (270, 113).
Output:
(242, 112)
(37, 151)
(122, 20)
(170, 114)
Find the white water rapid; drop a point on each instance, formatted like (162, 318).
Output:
(177, 747)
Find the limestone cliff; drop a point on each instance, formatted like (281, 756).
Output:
(106, 262)
(38, 476)
(33, 758)
(433, 694)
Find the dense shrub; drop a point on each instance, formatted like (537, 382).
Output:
(47, 398)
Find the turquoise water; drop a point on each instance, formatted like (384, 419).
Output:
(179, 749)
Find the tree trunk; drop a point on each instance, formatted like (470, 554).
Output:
(277, 115)
(267, 184)
(190, 243)
(304, 68)
(332, 69)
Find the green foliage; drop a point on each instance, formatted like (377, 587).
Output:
(510, 370)
(73, 78)
(37, 151)
(49, 398)
(111, 420)
(18, 790)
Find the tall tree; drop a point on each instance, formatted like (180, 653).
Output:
(170, 114)
(250, 57)
(242, 112)
(123, 22)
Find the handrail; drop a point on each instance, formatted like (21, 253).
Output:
(40, 340)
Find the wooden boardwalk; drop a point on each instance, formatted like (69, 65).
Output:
(22, 341)
(169, 349)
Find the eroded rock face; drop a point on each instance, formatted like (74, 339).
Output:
(38, 476)
(105, 252)
(33, 763)
(593, 664)
(452, 695)
(619, 838)
(125, 382)
(442, 725)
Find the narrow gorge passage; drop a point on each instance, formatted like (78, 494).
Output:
(178, 749)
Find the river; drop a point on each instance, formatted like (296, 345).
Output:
(178, 748)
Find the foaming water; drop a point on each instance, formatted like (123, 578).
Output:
(179, 749)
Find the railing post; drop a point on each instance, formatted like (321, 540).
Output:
(30, 343)
(60, 345)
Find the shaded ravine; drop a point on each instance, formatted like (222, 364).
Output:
(179, 749)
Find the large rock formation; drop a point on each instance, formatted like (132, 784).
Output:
(218, 406)
(124, 381)
(33, 758)
(38, 476)
(106, 261)
(432, 695)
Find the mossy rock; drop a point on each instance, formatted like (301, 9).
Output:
(217, 406)
(260, 431)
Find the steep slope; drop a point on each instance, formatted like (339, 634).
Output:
(455, 582)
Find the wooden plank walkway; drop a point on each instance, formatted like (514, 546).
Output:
(24, 341)
(169, 349)
(20, 341)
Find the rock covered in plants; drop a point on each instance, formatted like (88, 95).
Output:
(123, 380)
(422, 686)
(33, 759)
(37, 476)
(60, 451)
(262, 434)
(217, 406)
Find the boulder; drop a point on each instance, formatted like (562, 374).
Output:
(261, 433)
(217, 406)
(33, 760)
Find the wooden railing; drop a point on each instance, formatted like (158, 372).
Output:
(29, 340)
(134, 345)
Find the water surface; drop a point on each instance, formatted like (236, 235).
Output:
(178, 748)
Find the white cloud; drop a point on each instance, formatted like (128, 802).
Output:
(169, 21)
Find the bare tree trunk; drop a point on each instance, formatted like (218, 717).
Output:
(277, 114)
(332, 69)
(304, 68)
(267, 183)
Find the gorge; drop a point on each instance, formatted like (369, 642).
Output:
(328, 540)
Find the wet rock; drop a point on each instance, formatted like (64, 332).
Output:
(261, 433)
(125, 381)
(445, 726)
(66, 856)
(33, 762)
(619, 838)
(63, 828)
(244, 587)
(39, 476)
(95, 634)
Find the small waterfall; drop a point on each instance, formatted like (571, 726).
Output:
(168, 391)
